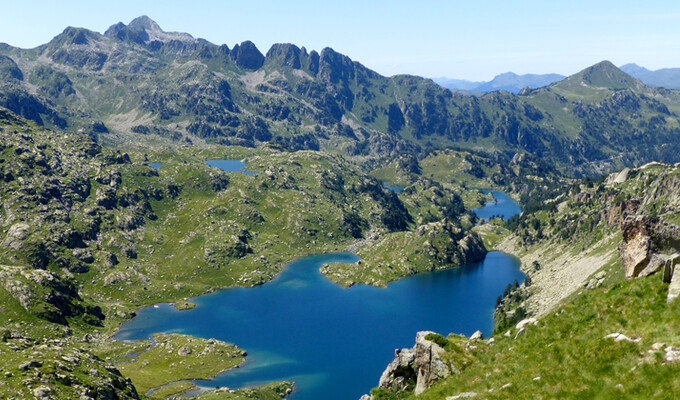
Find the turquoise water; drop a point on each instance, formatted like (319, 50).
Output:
(503, 206)
(230, 166)
(333, 342)
(156, 165)
(395, 189)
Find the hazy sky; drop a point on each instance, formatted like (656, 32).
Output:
(473, 40)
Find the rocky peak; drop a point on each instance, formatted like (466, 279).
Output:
(74, 36)
(335, 67)
(142, 30)
(603, 75)
(144, 23)
(247, 56)
(9, 70)
(284, 54)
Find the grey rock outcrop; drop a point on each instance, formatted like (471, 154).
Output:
(669, 267)
(15, 236)
(672, 275)
(472, 248)
(636, 246)
(421, 365)
(645, 240)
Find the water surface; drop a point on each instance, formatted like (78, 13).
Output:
(155, 165)
(230, 166)
(333, 342)
(502, 205)
(395, 189)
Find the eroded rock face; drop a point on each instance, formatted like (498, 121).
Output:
(636, 247)
(421, 366)
(15, 236)
(472, 248)
(618, 212)
(644, 242)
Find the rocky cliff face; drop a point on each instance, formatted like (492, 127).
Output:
(647, 244)
(420, 366)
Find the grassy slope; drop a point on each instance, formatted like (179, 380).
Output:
(569, 353)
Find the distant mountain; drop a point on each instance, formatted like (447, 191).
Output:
(668, 78)
(603, 75)
(139, 84)
(509, 81)
(457, 84)
(514, 83)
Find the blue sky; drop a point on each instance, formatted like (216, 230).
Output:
(458, 39)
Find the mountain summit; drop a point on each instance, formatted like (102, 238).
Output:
(143, 30)
(145, 23)
(601, 75)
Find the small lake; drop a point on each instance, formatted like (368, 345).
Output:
(230, 166)
(333, 342)
(155, 165)
(502, 205)
(395, 189)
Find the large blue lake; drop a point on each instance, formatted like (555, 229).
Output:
(333, 342)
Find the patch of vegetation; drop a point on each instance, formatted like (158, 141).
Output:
(270, 391)
(173, 356)
(185, 305)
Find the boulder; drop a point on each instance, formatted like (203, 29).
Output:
(477, 336)
(422, 365)
(669, 267)
(464, 395)
(619, 337)
(42, 391)
(185, 351)
(656, 263)
(636, 246)
(674, 287)
(672, 354)
(529, 321)
(30, 364)
(15, 236)
(646, 244)
(622, 176)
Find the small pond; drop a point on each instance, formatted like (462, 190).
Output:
(502, 205)
(395, 189)
(230, 166)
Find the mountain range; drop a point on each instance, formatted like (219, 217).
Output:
(668, 78)
(508, 81)
(139, 84)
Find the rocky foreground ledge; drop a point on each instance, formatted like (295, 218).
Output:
(425, 363)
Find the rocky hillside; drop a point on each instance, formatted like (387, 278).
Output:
(600, 260)
(137, 81)
(90, 234)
